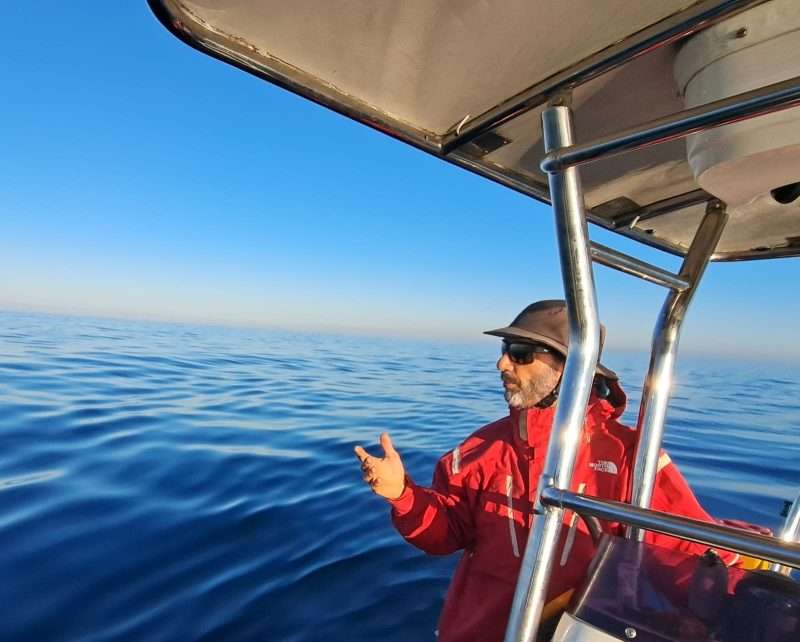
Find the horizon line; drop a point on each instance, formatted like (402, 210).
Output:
(344, 330)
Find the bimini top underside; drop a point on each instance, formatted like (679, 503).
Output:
(468, 80)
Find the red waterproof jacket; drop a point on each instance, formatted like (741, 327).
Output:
(481, 502)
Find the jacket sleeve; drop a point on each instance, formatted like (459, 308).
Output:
(438, 519)
(673, 495)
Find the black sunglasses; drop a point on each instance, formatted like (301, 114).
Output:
(523, 353)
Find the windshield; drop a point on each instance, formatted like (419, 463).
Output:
(655, 594)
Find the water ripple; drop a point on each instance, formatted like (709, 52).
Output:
(31, 478)
(164, 482)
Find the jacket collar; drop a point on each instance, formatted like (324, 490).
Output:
(532, 426)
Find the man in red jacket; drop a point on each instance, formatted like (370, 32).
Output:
(482, 493)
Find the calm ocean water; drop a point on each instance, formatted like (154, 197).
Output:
(168, 482)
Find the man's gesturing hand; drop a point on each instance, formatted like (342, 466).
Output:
(386, 474)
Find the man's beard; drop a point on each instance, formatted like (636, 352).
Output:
(521, 397)
(515, 399)
(527, 395)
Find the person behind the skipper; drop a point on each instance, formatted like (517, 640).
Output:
(482, 493)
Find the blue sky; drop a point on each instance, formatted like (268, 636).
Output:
(142, 179)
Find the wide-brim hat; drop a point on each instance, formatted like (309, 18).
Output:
(546, 322)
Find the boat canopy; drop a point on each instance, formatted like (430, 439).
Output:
(467, 81)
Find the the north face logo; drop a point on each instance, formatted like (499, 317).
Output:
(602, 466)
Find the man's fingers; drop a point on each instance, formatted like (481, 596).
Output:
(371, 478)
(386, 444)
(362, 454)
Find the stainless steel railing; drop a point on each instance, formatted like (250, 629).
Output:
(584, 350)
(763, 547)
(764, 100)
(664, 351)
(631, 265)
(553, 496)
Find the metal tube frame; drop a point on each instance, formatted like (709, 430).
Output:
(764, 100)
(659, 208)
(666, 336)
(633, 266)
(708, 533)
(671, 29)
(553, 494)
(791, 529)
(582, 356)
(571, 232)
(790, 532)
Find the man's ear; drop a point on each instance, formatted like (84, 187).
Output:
(557, 362)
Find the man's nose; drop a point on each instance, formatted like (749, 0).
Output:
(504, 363)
